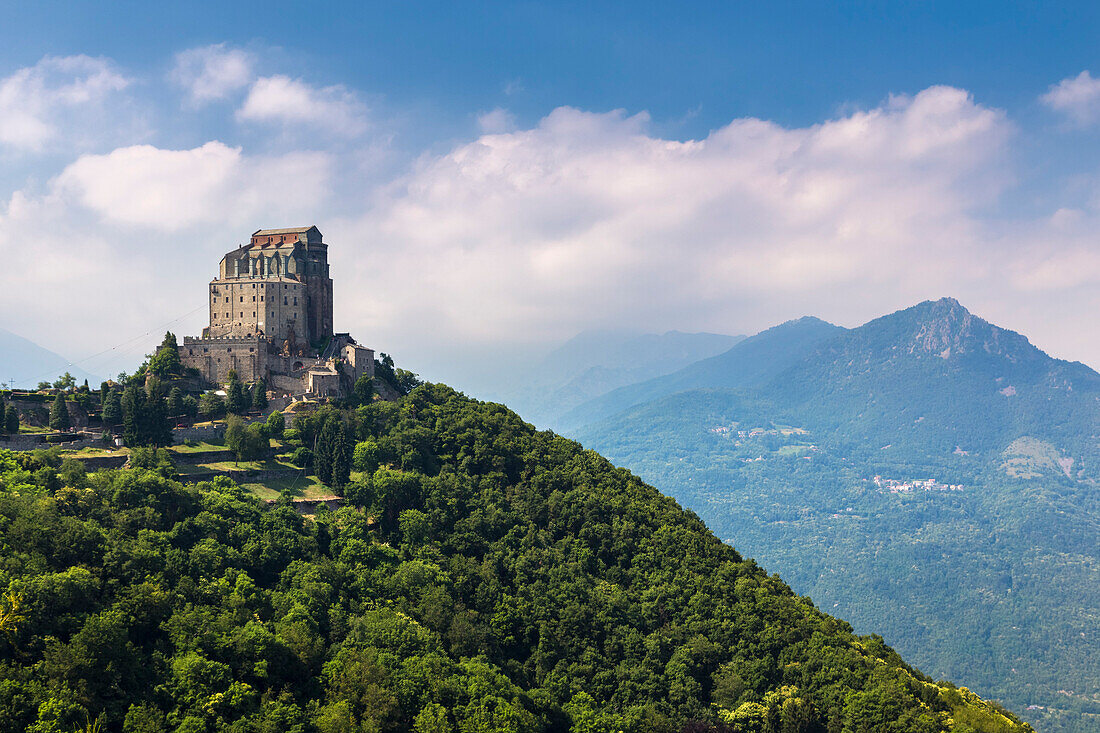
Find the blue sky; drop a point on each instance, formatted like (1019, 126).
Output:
(704, 62)
(498, 176)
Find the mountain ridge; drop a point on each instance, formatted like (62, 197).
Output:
(945, 466)
(595, 362)
(742, 365)
(28, 363)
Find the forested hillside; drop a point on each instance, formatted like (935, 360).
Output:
(928, 476)
(486, 577)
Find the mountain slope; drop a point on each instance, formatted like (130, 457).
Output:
(928, 474)
(512, 582)
(748, 363)
(28, 363)
(934, 378)
(595, 362)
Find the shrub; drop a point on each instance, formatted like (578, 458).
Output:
(303, 457)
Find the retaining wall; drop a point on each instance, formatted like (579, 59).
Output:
(94, 463)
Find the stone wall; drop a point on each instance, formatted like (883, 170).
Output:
(208, 433)
(244, 476)
(310, 506)
(215, 357)
(24, 441)
(94, 463)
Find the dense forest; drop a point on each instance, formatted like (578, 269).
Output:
(988, 577)
(484, 577)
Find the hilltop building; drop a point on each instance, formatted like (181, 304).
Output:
(271, 317)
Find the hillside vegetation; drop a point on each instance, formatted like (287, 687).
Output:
(928, 476)
(488, 578)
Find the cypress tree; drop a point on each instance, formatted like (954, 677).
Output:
(341, 458)
(324, 449)
(59, 414)
(259, 395)
(112, 409)
(157, 430)
(11, 420)
(234, 395)
(175, 402)
(133, 408)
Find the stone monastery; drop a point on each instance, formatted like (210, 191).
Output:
(271, 317)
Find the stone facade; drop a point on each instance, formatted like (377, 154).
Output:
(277, 287)
(271, 317)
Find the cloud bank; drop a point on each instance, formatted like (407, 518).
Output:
(39, 103)
(529, 233)
(588, 220)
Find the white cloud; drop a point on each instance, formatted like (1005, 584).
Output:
(589, 220)
(531, 234)
(290, 101)
(1077, 97)
(175, 189)
(124, 242)
(37, 101)
(212, 72)
(496, 121)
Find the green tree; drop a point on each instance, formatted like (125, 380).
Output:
(65, 381)
(166, 362)
(59, 414)
(11, 419)
(255, 443)
(211, 406)
(133, 414)
(112, 408)
(366, 456)
(276, 424)
(332, 453)
(234, 395)
(416, 527)
(259, 394)
(341, 457)
(363, 392)
(104, 389)
(175, 402)
(432, 718)
(156, 428)
(143, 718)
(234, 435)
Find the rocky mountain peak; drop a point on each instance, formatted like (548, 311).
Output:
(945, 327)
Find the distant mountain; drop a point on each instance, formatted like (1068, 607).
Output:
(929, 474)
(595, 362)
(28, 363)
(747, 363)
(937, 378)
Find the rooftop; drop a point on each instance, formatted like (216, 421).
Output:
(290, 230)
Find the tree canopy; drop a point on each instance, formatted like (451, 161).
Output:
(485, 577)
